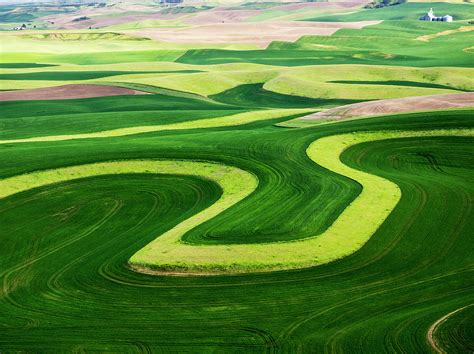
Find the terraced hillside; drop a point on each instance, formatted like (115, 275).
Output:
(173, 198)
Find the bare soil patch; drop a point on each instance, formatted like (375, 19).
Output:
(67, 92)
(261, 33)
(319, 5)
(220, 15)
(66, 21)
(398, 105)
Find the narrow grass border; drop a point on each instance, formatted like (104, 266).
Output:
(167, 254)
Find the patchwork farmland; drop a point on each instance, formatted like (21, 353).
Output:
(236, 177)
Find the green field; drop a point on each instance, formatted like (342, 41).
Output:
(67, 259)
(76, 75)
(190, 220)
(389, 43)
(407, 11)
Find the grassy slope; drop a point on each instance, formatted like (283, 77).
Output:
(322, 82)
(407, 296)
(125, 115)
(23, 65)
(254, 95)
(77, 75)
(205, 83)
(404, 83)
(282, 71)
(15, 14)
(365, 46)
(38, 118)
(80, 123)
(369, 82)
(104, 57)
(235, 119)
(407, 11)
(134, 103)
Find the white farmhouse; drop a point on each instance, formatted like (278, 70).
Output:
(430, 16)
(448, 18)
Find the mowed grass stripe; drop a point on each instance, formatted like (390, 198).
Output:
(360, 219)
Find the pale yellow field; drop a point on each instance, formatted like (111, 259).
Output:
(317, 81)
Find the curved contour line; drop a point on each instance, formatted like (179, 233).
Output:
(431, 331)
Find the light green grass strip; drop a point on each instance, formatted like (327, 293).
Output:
(353, 228)
(226, 121)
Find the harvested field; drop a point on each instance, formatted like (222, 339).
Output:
(67, 92)
(233, 15)
(319, 5)
(121, 14)
(62, 36)
(67, 22)
(391, 106)
(261, 34)
(220, 16)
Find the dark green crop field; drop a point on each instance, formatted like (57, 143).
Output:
(16, 109)
(65, 246)
(23, 65)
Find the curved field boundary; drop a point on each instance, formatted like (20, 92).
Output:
(431, 331)
(226, 121)
(167, 253)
